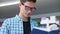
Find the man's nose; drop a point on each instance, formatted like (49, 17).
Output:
(29, 11)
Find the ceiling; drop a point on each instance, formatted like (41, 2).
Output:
(43, 7)
(7, 1)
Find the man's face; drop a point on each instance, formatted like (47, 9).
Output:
(27, 8)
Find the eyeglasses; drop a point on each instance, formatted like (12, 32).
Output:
(29, 8)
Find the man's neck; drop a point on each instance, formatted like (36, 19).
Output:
(24, 18)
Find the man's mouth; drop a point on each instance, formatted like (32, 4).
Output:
(28, 14)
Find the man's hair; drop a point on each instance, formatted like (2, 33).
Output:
(23, 1)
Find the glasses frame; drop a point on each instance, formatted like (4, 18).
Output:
(29, 8)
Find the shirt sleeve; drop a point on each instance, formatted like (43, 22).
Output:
(4, 28)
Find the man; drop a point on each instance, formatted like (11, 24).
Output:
(22, 23)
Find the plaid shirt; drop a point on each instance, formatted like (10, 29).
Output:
(15, 25)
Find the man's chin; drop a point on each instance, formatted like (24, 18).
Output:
(28, 16)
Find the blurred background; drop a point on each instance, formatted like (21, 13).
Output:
(44, 8)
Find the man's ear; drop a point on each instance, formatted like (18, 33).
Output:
(20, 4)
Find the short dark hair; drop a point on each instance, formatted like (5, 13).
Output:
(23, 1)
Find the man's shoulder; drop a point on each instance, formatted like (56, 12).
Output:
(13, 19)
(34, 22)
(9, 19)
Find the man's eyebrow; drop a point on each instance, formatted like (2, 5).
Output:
(29, 6)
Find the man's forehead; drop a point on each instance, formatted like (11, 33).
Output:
(32, 4)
